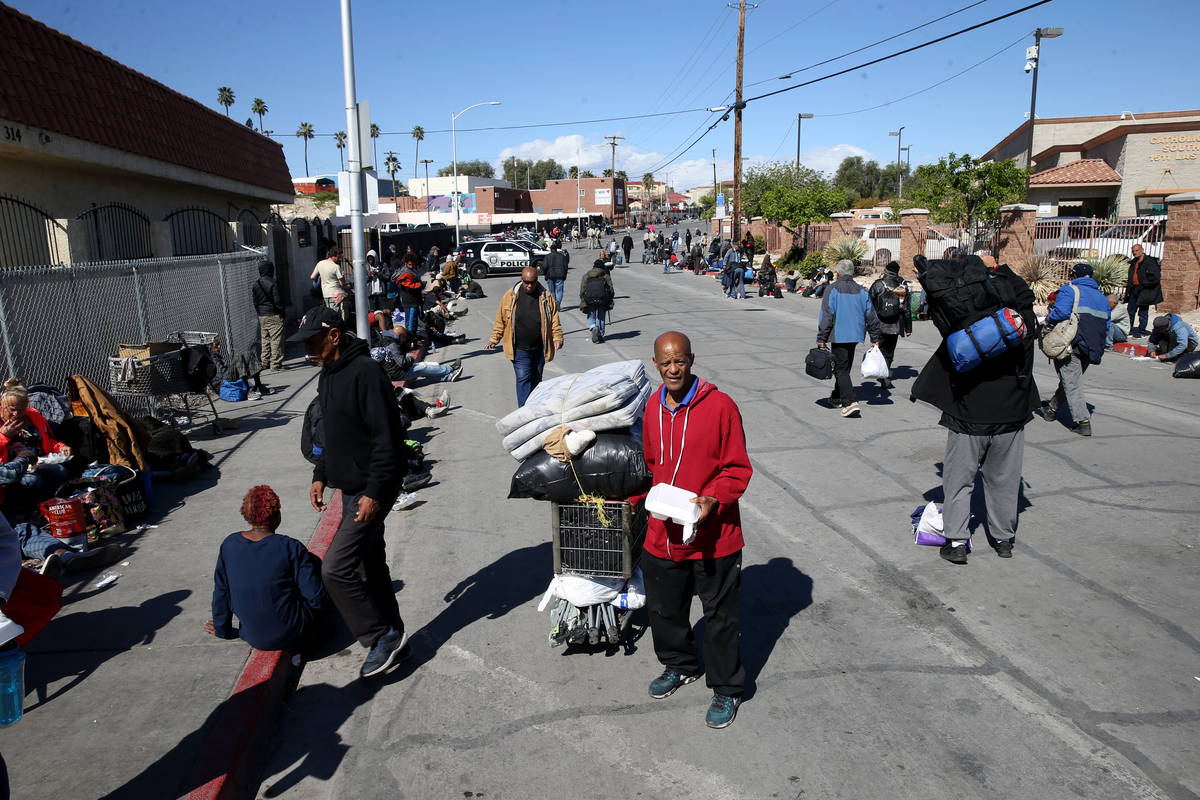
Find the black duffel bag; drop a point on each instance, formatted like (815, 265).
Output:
(614, 467)
(1188, 366)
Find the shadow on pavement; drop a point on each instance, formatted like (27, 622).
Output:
(978, 502)
(772, 594)
(75, 645)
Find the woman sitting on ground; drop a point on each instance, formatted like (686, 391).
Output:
(25, 440)
(271, 582)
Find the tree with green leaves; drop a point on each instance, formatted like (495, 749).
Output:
(418, 135)
(339, 139)
(305, 132)
(587, 173)
(259, 107)
(708, 204)
(572, 172)
(781, 191)
(647, 189)
(966, 191)
(225, 98)
(534, 174)
(478, 167)
(391, 165)
(374, 145)
(607, 173)
(859, 178)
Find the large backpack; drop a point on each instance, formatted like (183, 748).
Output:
(312, 435)
(887, 303)
(595, 291)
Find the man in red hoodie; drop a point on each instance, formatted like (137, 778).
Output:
(707, 456)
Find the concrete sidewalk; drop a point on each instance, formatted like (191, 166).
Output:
(120, 684)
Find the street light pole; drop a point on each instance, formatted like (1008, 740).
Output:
(428, 219)
(357, 236)
(1033, 56)
(899, 176)
(454, 161)
(799, 120)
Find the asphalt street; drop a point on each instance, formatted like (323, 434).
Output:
(877, 670)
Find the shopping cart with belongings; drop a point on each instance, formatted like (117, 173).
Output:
(153, 379)
(599, 541)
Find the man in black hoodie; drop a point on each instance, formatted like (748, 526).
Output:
(268, 304)
(363, 456)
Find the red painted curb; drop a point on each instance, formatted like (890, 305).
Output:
(224, 761)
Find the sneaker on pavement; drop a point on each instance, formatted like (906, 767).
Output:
(850, 410)
(1048, 411)
(443, 398)
(666, 684)
(455, 370)
(93, 559)
(722, 711)
(416, 480)
(954, 554)
(1083, 428)
(436, 411)
(255, 395)
(52, 567)
(404, 500)
(386, 652)
(1003, 547)
(595, 336)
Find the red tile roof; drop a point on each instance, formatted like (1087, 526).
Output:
(1087, 170)
(53, 82)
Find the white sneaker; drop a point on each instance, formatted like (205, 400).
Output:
(436, 411)
(850, 410)
(405, 500)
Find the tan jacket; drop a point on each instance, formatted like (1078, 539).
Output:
(503, 330)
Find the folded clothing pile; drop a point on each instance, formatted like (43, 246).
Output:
(606, 398)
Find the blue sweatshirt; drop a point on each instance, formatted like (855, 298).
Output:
(272, 585)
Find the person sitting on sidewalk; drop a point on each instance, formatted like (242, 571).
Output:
(1171, 338)
(270, 581)
(1118, 322)
(25, 439)
(393, 350)
(38, 544)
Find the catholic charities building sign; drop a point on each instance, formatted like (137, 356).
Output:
(1176, 147)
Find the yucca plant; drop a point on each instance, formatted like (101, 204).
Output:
(1039, 274)
(1110, 271)
(847, 247)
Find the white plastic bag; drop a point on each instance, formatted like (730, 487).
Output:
(582, 591)
(874, 365)
(634, 594)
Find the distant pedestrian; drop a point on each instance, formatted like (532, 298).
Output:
(376, 283)
(846, 317)
(596, 295)
(527, 327)
(329, 273)
(364, 456)
(1143, 288)
(737, 275)
(1086, 348)
(554, 268)
(889, 297)
(269, 306)
(627, 246)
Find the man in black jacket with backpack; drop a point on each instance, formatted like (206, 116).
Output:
(269, 306)
(984, 409)
(889, 296)
(363, 455)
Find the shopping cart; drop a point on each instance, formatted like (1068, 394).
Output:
(598, 539)
(158, 386)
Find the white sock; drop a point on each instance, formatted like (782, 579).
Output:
(958, 542)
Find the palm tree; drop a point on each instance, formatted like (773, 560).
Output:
(225, 98)
(418, 133)
(305, 132)
(647, 188)
(339, 139)
(391, 166)
(259, 107)
(374, 146)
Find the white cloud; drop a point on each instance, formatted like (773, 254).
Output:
(827, 159)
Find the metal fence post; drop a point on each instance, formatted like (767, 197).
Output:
(229, 343)
(8, 351)
(141, 304)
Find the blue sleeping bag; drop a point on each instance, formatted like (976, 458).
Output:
(989, 337)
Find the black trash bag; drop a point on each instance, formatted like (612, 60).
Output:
(614, 467)
(1188, 366)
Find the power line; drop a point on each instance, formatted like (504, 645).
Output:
(872, 44)
(795, 24)
(905, 51)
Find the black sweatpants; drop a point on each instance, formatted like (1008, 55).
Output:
(355, 571)
(887, 346)
(669, 589)
(843, 361)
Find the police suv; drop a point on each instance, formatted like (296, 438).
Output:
(486, 257)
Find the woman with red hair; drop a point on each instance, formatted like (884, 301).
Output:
(270, 581)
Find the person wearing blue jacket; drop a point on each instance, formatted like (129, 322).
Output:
(1171, 338)
(847, 315)
(1086, 348)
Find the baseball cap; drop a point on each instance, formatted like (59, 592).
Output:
(1081, 271)
(316, 320)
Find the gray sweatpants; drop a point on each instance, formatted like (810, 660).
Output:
(1070, 387)
(1000, 458)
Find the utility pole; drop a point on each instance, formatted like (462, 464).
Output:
(1033, 57)
(799, 121)
(357, 236)
(737, 119)
(612, 140)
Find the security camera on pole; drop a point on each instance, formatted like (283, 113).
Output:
(1033, 56)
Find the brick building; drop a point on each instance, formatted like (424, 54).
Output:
(598, 197)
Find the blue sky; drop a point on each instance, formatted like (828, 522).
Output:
(568, 61)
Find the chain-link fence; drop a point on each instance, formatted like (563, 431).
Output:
(62, 321)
